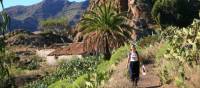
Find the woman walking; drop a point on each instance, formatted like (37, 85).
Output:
(133, 63)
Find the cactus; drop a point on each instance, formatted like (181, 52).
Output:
(185, 43)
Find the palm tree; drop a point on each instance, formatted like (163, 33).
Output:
(105, 30)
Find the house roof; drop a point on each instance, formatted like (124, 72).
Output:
(71, 49)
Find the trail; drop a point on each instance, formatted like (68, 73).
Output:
(119, 78)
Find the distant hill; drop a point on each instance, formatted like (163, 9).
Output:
(28, 17)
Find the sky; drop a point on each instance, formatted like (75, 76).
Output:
(9, 3)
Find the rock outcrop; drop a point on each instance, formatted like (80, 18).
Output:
(142, 12)
(36, 40)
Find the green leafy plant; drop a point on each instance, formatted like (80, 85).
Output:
(97, 77)
(104, 69)
(32, 63)
(67, 70)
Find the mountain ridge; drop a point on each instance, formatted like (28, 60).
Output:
(28, 17)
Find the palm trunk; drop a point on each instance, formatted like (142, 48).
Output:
(107, 54)
(124, 5)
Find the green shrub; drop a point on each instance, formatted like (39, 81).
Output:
(119, 54)
(67, 70)
(179, 82)
(103, 67)
(79, 82)
(6, 60)
(32, 63)
(98, 76)
(60, 84)
(102, 72)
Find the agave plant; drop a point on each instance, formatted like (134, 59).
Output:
(5, 19)
(1, 1)
(4, 73)
(105, 30)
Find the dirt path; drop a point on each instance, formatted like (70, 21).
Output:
(119, 78)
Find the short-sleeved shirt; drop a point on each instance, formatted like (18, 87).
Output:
(133, 56)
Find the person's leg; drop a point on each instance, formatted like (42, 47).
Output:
(131, 71)
(135, 83)
(137, 72)
(134, 73)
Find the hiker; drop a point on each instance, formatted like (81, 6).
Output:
(134, 65)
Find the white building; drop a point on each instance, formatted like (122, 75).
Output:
(53, 56)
